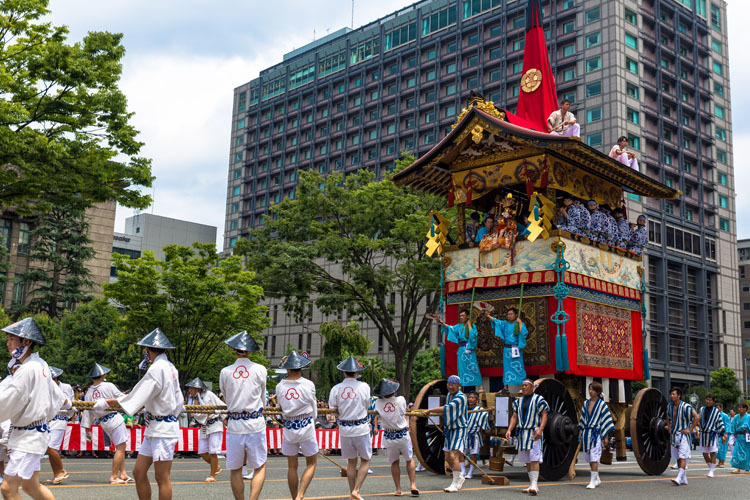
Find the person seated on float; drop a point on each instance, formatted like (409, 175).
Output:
(638, 236)
(579, 219)
(619, 153)
(562, 221)
(611, 231)
(488, 228)
(598, 227)
(563, 122)
(472, 227)
(623, 228)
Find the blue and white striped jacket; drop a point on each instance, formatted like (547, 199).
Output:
(682, 422)
(711, 425)
(454, 411)
(529, 419)
(594, 426)
(477, 422)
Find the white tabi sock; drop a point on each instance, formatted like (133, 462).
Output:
(711, 467)
(471, 470)
(463, 469)
(680, 475)
(533, 476)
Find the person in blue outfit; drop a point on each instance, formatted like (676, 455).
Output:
(741, 431)
(465, 335)
(682, 419)
(599, 227)
(638, 236)
(455, 420)
(721, 455)
(623, 228)
(711, 431)
(530, 418)
(513, 333)
(595, 427)
(489, 226)
(579, 219)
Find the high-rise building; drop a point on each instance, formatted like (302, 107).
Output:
(743, 247)
(655, 71)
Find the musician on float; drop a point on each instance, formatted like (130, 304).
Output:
(211, 427)
(530, 416)
(243, 384)
(396, 439)
(110, 421)
(352, 399)
(295, 395)
(595, 426)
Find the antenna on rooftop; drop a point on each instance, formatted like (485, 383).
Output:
(352, 14)
(313, 34)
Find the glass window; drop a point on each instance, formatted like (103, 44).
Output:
(631, 41)
(723, 224)
(593, 39)
(632, 90)
(719, 111)
(718, 89)
(569, 27)
(5, 227)
(593, 89)
(569, 74)
(593, 64)
(723, 201)
(715, 17)
(631, 17)
(24, 238)
(496, 30)
(718, 68)
(723, 179)
(594, 114)
(593, 15)
(594, 139)
(569, 50)
(633, 116)
(716, 45)
(634, 141)
(570, 96)
(631, 65)
(721, 156)
(236, 190)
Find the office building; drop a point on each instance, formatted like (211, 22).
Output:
(743, 248)
(655, 71)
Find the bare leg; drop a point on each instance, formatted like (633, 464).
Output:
(162, 470)
(364, 465)
(291, 475)
(118, 464)
(10, 487)
(310, 463)
(256, 484)
(214, 461)
(34, 489)
(140, 473)
(205, 458)
(238, 484)
(411, 469)
(396, 474)
(594, 466)
(351, 473)
(55, 462)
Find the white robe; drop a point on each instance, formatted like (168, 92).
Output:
(105, 390)
(61, 423)
(207, 398)
(244, 386)
(158, 392)
(352, 400)
(31, 397)
(297, 398)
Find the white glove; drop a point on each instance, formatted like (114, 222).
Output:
(101, 404)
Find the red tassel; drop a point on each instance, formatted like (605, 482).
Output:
(529, 188)
(468, 197)
(451, 198)
(545, 178)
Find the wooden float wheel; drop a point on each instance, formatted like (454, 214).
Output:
(648, 431)
(560, 442)
(427, 439)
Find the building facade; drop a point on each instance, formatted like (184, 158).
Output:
(153, 232)
(653, 70)
(743, 248)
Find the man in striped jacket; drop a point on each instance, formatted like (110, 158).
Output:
(454, 428)
(530, 415)
(711, 428)
(682, 419)
(477, 423)
(595, 426)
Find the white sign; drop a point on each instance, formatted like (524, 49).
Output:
(502, 405)
(433, 402)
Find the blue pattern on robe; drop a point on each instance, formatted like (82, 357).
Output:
(454, 411)
(741, 452)
(711, 425)
(468, 367)
(477, 422)
(579, 220)
(594, 426)
(529, 420)
(623, 232)
(683, 421)
(638, 239)
(724, 445)
(611, 229)
(514, 370)
(598, 228)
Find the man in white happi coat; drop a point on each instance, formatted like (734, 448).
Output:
(243, 384)
(57, 428)
(212, 428)
(352, 399)
(295, 395)
(5, 426)
(682, 419)
(159, 394)
(111, 422)
(530, 416)
(396, 439)
(30, 400)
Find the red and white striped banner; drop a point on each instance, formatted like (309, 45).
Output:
(75, 439)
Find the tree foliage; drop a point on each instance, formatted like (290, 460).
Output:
(725, 386)
(426, 369)
(59, 252)
(197, 303)
(355, 244)
(65, 131)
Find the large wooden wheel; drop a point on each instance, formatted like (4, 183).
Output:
(560, 442)
(427, 439)
(648, 431)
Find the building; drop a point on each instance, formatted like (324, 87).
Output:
(153, 232)
(653, 70)
(15, 235)
(743, 248)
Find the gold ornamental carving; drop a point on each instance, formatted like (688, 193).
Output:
(482, 105)
(531, 80)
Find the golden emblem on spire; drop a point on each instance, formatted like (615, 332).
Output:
(531, 80)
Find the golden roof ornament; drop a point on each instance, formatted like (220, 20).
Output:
(476, 100)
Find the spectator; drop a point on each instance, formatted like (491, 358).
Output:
(619, 153)
(563, 122)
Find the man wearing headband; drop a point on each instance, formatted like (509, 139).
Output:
(396, 440)
(530, 416)
(477, 423)
(595, 426)
(638, 236)
(295, 395)
(711, 430)
(682, 419)
(454, 428)
(352, 400)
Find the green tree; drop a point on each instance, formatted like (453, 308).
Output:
(65, 131)
(60, 248)
(725, 386)
(426, 369)
(353, 244)
(197, 303)
(339, 342)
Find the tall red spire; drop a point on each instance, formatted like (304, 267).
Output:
(538, 97)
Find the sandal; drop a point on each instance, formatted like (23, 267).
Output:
(128, 480)
(209, 479)
(117, 481)
(415, 493)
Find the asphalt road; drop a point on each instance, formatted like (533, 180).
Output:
(89, 477)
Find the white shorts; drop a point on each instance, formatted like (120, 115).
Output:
(682, 447)
(356, 446)
(56, 439)
(474, 450)
(119, 434)
(210, 444)
(535, 454)
(159, 449)
(307, 448)
(594, 454)
(405, 449)
(710, 449)
(22, 464)
(254, 445)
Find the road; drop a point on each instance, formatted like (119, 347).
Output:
(620, 480)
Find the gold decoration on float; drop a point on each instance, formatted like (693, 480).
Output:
(531, 80)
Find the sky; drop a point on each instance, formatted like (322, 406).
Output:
(184, 58)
